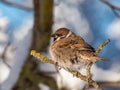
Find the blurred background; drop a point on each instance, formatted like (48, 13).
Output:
(28, 24)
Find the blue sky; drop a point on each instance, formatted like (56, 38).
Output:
(15, 16)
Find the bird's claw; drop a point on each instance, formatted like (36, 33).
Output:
(58, 67)
(75, 74)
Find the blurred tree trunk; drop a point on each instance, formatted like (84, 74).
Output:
(30, 76)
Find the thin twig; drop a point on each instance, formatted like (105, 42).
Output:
(41, 57)
(113, 7)
(100, 47)
(18, 5)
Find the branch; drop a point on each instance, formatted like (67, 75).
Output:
(18, 5)
(87, 78)
(113, 7)
(100, 47)
(30, 76)
(110, 84)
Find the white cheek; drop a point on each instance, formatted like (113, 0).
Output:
(69, 34)
(58, 39)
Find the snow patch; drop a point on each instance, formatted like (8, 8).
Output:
(4, 21)
(114, 32)
(22, 42)
(4, 71)
(43, 87)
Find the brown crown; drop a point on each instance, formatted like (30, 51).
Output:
(62, 31)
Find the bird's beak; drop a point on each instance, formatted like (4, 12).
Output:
(53, 35)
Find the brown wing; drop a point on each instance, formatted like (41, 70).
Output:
(82, 45)
(75, 42)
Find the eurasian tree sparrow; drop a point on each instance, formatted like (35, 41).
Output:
(70, 51)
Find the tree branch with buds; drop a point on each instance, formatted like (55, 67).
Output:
(87, 78)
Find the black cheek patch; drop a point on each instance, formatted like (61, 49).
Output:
(54, 39)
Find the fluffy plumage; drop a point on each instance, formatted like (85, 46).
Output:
(71, 51)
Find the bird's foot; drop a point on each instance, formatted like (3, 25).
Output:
(75, 73)
(57, 66)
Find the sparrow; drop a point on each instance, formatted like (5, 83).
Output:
(70, 51)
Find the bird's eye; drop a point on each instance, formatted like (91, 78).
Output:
(57, 36)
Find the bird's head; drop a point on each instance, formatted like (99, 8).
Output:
(61, 33)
